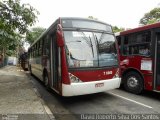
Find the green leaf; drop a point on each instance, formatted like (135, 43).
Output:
(151, 17)
(15, 19)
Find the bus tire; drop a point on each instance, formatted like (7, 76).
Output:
(133, 82)
(46, 80)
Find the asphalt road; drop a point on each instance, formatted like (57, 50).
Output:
(116, 102)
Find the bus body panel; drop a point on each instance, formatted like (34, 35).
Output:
(148, 84)
(65, 76)
(135, 63)
(90, 87)
(95, 75)
(140, 29)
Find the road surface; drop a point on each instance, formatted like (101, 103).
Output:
(113, 102)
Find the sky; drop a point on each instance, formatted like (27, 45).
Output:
(122, 13)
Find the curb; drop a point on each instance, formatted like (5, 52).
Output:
(46, 108)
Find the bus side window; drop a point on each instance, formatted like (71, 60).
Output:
(119, 42)
(144, 46)
(125, 40)
(46, 46)
(137, 43)
(36, 51)
(144, 50)
(33, 51)
(40, 47)
(125, 50)
(125, 46)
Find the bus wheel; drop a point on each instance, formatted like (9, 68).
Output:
(133, 82)
(46, 80)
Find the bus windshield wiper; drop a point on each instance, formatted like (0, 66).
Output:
(88, 41)
(100, 39)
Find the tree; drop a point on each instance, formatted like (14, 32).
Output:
(33, 34)
(93, 18)
(116, 29)
(151, 17)
(15, 18)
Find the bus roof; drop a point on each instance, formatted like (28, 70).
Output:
(146, 27)
(64, 18)
(78, 18)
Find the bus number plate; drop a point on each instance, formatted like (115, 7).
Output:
(99, 85)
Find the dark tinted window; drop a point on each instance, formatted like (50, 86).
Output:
(119, 40)
(46, 46)
(137, 44)
(139, 37)
(107, 49)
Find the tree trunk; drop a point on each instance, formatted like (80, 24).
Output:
(3, 55)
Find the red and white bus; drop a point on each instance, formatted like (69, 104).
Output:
(140, 58)
(76, 56)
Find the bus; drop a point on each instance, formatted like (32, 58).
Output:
(23, 61)
(76, 56)
(139, 50)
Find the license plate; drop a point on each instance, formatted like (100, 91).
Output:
(97, 85)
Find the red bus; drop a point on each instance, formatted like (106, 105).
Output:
(140, 58)
(76, 56)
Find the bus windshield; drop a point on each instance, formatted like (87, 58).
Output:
(90, 49)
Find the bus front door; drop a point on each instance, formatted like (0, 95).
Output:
(54, 65)
(157, 62)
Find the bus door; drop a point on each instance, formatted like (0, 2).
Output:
(157, 61)
(54, 64)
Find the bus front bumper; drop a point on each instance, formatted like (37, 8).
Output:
(90, 87)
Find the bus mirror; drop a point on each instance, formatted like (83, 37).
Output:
(60, 41)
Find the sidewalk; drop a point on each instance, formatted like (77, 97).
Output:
(18, 98)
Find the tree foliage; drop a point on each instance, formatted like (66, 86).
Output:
(15, 18)
(151, 17)
(116, 29)
(34, 34)
(93, 18)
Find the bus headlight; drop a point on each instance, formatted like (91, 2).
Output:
(74, 79)
(117, 74)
